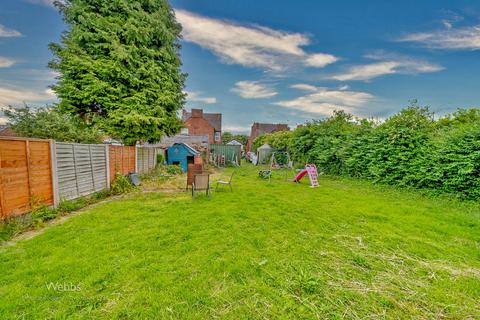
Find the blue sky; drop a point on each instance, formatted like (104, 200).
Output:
(285, 61)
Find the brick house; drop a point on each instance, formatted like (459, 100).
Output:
(199, 123)
(7, 131)
(262, 128)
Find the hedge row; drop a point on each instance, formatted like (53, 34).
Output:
(408, 149)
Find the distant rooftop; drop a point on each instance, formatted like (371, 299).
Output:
(215, 119)
(269, 127)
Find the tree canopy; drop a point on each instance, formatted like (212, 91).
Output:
(119, 67)
(228, 136)
(49, 123)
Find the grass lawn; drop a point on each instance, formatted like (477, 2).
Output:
(347, 249)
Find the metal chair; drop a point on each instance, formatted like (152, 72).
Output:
(225, 182)
(201, 182)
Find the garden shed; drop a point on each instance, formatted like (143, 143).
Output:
(264, 152)
(181, 154)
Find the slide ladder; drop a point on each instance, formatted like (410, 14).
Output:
(312, 174)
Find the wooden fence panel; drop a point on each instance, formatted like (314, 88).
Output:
(25, 175)
(122, 160)
(146, 159)
(81, 169)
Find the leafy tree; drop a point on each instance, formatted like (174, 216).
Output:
(259, 141)
(49, 123)
(227, 137)
(119, 67)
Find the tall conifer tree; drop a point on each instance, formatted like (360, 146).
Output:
(119, 66)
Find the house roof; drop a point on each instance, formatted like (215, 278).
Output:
(6, 130)
(215, 119)
(269, 127)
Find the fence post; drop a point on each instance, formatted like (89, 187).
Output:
(54, 171)
(3, 213)
(91, 166)
(136, 159)
(107, 164)
(27, 158)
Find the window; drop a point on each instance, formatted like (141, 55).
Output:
(184, 131)
(217, 136)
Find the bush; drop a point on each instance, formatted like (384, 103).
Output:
(50, 123)
(408, 149)
(121, 184)
(173, 169)
(160, 159)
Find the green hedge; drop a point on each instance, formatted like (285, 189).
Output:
(408, 149)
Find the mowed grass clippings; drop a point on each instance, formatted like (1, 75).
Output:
(348, 249)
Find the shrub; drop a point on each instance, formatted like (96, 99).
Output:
(160, 159)
(121, 184)
(173, 169)
(408, 149)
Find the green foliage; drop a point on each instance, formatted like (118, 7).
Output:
(49, 123)
(258, 142)
(119, 67)
(409, 149)
(121, 184)
(280, 140)
(160, 159)
(228, 136)
(173, 169)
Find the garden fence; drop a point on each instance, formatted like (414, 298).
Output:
(44, 172)
(25, 175)
(146, 158)
(81, 169)
(121, 160)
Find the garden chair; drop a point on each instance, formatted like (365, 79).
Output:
(201, 182)
(225, 182)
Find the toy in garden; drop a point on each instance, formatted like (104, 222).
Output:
(281, 160)
(311, 170)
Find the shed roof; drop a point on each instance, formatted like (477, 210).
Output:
(190, 150)
(266, 146)
(166, 142)
(234, 143)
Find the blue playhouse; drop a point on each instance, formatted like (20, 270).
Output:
(181, 154)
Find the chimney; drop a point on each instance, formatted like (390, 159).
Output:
(197, 113)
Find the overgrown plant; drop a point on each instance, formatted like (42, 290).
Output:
(408, 149)
(121, 184)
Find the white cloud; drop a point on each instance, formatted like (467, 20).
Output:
(324, 101)
(466, 38)
(198, 97)
(388, 64)
(320, 60)
(253, 90)
(248, 45)
(6, 62)
(18, 96)
(8, 33)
